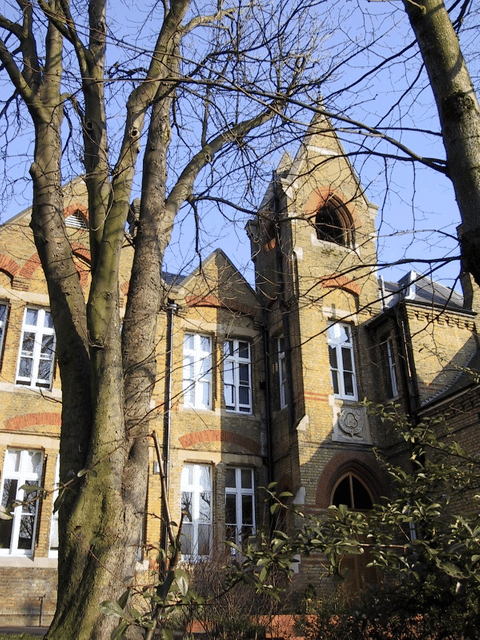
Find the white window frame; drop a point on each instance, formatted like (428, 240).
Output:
(16, 468)
(4, 309)
(53, 539)
(392, 368)
(197, 509)
(282, 372)
(341, 349)
(197, 371)
(37, 354)
(236, 529)
(235, 382)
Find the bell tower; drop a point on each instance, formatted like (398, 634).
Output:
(314, 248)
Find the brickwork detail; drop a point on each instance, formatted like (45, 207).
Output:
(8, 265)
(212, 301)
(218, 435)
(341, 282)
(32, 419)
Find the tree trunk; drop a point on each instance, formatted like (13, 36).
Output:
(107, 375)
(459, 113)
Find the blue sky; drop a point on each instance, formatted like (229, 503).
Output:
(418, 215)
(417, 211)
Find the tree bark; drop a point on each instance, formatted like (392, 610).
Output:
(459, 114)
(107, 375)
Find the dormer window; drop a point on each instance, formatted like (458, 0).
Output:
(333, 223)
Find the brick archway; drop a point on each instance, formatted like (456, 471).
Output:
(319, 197)
(362, 465)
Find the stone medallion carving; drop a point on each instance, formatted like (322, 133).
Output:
(350, 423)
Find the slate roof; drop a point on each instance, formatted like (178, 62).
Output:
(420, 289)
(172, 279)
(469, 377)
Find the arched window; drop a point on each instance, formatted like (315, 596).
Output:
(333, 223)
(351, 492)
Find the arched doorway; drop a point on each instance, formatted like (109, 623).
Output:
(353, 492)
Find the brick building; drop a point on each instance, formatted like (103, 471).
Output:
(253, 385)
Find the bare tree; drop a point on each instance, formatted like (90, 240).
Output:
(232, 66)
(226, 81)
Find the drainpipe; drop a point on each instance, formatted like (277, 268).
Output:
(167, 416)
(268, 399)
(284, 310)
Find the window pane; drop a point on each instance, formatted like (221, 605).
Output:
(244, 396)
(186, 506)
(9, 492)
(230, 478)
(343, 334)
(205, 366)
(204, 509)
(228, 372)
(243, 350)
(188, 367)
(247, 509)
(33, 463)
(243, 373)
(12, 462)
(25, 369)
(348, 382)
(31, 317)
(187, 538)
(204, 472)
(17, 534)
(203, 540)
(205, 344)
(342, 494)
(25, 535)
(54, 535)
(231, 508)
(187, 475)
(332, 352)
(229, 396)
(48, 320)
(246, 532)
(347, 359)
(189, 395)
(5, 533)
(48, 346)
(28, 343)
(44, 370)
(246, 479)
(205, 393)
(361, 497)
(335, 386)
(231, 533)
